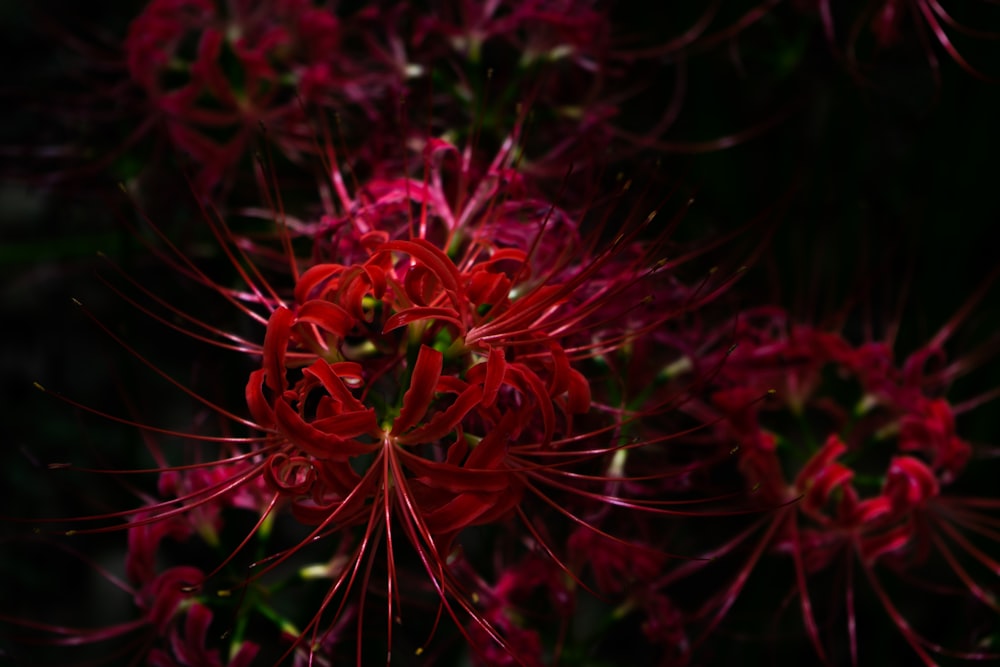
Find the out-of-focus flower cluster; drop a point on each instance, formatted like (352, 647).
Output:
(482, 398)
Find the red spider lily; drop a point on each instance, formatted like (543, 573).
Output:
(430, 383)
(252, 65)
(478, 341)
(869, 479)
(165, 602)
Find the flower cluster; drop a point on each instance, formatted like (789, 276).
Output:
(466, 385)
(857, 455)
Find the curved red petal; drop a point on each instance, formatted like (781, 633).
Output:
(314, 441)
(418, 397)
(415, 314)
(276, 347)
(326, 315)
(444, 422)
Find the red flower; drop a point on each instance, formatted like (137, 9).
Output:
(423, 375)
(852, 461)
(216, 76)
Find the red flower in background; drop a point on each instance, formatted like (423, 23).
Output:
(217, 76)
(854, 457)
